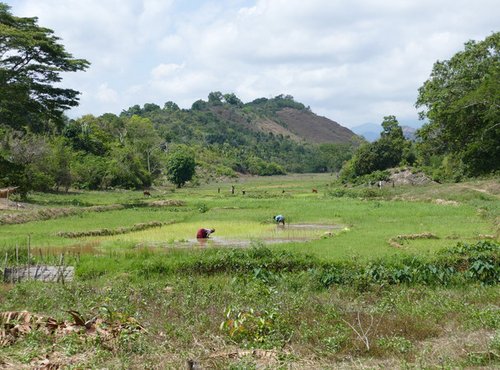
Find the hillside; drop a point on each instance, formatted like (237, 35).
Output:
(222, 137)
(314, 128)
(289, 119)
(265, 136)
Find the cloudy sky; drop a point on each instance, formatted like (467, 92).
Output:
(352, 61)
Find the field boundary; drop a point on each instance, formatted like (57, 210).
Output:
(116, 231)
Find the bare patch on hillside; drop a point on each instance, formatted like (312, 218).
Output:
(267, 125)
(314, 128)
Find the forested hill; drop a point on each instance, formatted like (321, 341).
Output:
(281, 116)
(264, 137)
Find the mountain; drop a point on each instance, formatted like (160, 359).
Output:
(314, 128)
(370, 131)
(409, 132)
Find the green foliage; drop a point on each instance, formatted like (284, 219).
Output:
(395, 344)
(253, 328)
(266, 106)
(371, 178)
(31, 63)
(391, 150)
(180, 166)
(257, 166)
(334, 155)
(461, 100)
(474, 263)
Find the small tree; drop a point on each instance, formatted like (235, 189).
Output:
(180, 166)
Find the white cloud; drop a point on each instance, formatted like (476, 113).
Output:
(165, 70)
(106, 95)
(353, 62)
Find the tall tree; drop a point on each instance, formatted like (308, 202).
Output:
(142, 135)
(461, 100)
(31, 62)
(180, 166)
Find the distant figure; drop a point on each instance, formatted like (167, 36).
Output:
(232, 189)
(243, 192)
(146, 193)
(204, 233)
(283, 191)
(280, 219)
(315, 190)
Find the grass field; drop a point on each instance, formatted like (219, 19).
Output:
(328, 288)
(371, 222)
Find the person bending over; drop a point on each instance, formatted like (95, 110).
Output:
(280, 219)
(204, 233)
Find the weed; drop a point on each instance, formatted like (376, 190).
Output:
(395, 344)
(252, 328)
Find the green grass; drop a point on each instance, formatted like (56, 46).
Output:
(299, 301)
(371, 222)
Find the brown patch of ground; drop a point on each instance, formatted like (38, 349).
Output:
(268, 125)
(489, 188)
(314, 128)
(168, 203)
(454, 346)
(40, 214)
(397, 241)
(445, 202)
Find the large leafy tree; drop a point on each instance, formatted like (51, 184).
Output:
(31, 62)
(143, 136)
(180, 166)
(461, 100)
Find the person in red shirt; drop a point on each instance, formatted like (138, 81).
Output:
(204, 233)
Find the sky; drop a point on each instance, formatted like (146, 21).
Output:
(353, 61)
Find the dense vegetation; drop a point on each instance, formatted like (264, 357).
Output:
(461, 100)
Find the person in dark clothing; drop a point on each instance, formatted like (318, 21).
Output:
(280, 219)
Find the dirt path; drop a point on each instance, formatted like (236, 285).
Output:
(493, 193)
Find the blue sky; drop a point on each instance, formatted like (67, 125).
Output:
(352, 61)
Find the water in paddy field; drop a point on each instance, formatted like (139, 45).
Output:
(281, 234)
